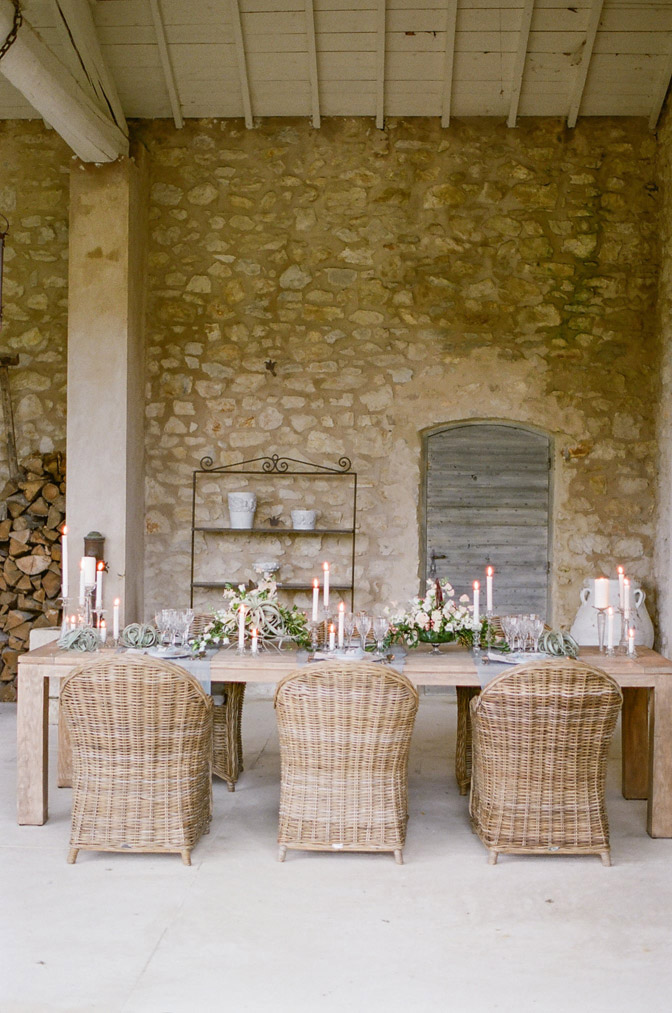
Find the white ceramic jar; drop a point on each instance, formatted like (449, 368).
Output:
(242, 506)
(584, 627)
(304, 520)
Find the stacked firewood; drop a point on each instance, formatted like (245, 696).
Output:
(32, 511)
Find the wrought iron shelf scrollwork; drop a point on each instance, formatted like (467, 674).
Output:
(282, 468)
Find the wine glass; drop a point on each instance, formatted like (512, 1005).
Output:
(381, 625)
(363, 625)
(349, 626)
(537, 627)
(163, 622)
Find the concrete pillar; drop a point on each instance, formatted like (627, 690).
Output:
(105, 451)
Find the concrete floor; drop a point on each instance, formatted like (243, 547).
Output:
(322, 932)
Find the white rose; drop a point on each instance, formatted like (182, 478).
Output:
(422, 620)
(437, 618)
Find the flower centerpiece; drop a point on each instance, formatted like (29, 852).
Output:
(263, 612)
(436, 618)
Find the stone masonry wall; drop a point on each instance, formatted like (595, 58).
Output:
(34, 185)
(397, 280)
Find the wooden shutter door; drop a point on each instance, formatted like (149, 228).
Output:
(487, 502)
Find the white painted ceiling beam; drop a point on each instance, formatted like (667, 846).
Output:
(584, 62)
(166, 65)
(380, 64)
(312, 63)
(519, 65)
(241, 61)
(55, 94)
(661, 91)
(451, 21)
(80, 42)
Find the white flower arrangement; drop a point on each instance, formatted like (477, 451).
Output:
(436, 618)
(263, 612)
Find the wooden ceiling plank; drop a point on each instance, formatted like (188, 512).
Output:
(166, 64)
(449, 60)
(582, 69)
(241, 60)
(312, 64)
(380, 64)
(519, 65)
(52, 90)
(78, 31)
(661, 91)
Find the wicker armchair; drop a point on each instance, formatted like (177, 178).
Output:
(141, 733)
(465, 695)
(345, 732)
(541, 734)
(227, 750)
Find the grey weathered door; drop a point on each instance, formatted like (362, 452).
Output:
(487, 503)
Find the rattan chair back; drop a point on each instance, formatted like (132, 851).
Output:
(541, 734)
(345, 732)
(141, 732)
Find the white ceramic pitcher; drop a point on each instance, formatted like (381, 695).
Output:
(584, 627)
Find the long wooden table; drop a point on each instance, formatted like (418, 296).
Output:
(646, 682)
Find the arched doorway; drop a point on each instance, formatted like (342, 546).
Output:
(487, 502)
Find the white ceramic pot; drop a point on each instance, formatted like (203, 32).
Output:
(584, 627)
(242, 506)
(304, 520)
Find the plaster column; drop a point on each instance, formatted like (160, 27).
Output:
(105, 456)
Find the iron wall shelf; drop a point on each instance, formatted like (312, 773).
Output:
(282, 468)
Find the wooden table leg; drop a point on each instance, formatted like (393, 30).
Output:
(32, 749)
(64, 753)
(659, 813)
(465, 694)
(635, 742)
(228, 743)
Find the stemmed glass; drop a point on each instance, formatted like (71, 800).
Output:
(363, 625)
(163, 621)
(537, 628)
(349, 626)
(381, 625)
(510, 627)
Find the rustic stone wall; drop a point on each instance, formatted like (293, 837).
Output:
(319, 293)
(34, 184)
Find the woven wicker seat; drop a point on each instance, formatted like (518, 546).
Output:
(227, 741)
(540, 738)
(141, 733)
(345, 731)
(465, 695)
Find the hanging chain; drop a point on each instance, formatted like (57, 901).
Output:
(11, 38)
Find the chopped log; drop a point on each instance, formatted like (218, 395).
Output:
(33, 464)
(7, 599)
(54, 517)
(40, 507)
(35, 563)
(50, 491)
(17, 548)
(9, 489)
(5, 528)
(15, 507)
(29, 602)
(23, 583)
(15, 619)
(11, 572)
(25, 521)
(51, 584)
(20, 535)
(50, 535)
(20, 633)
(37, 537)
(31, 489)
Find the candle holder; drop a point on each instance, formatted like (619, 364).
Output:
(489, 615)
(314, 626)
(601, 624)
(476, 641)
(65, 615)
